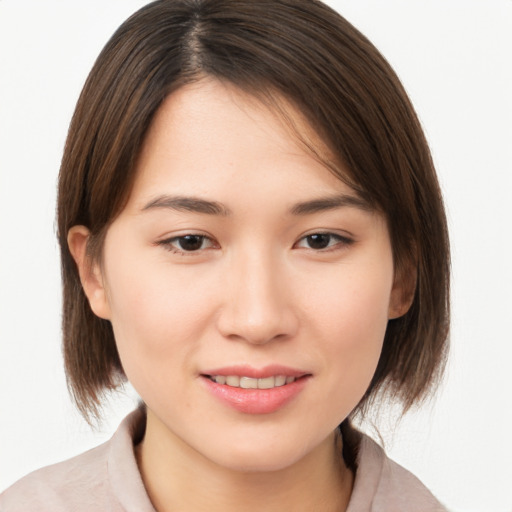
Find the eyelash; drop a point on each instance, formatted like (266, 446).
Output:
(340, 241)
(170, 244)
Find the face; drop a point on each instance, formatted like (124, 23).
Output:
(248, 288)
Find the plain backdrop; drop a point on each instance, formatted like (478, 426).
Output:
(454, 58)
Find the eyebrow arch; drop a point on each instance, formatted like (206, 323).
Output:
(330, 203)
(187, 204)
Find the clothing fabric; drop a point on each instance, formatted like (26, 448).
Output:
(107, 478)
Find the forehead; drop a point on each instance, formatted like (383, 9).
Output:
(210, 133)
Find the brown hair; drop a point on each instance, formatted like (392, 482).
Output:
(307, 53)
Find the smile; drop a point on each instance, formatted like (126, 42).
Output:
(256, 391)
(243, 382)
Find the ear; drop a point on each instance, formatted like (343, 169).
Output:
(89, 271)
(402, 293)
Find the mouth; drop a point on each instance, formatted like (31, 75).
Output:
(244, 382)
(253, 391)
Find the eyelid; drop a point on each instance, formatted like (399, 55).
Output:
(168, 243)
(343, 240)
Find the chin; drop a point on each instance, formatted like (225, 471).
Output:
(258, 455)
(257, 460)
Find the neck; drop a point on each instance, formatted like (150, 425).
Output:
(177, 477)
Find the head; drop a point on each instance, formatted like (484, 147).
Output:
(335, 94)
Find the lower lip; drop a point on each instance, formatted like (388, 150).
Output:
(256, 401)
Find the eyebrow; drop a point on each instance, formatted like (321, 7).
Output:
(330, 203)
(188, 204)
(198, 205)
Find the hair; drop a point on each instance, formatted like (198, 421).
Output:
(306, 53)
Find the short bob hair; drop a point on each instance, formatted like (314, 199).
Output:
(306, 53)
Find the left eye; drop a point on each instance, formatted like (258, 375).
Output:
(319, 241)
(187, 243)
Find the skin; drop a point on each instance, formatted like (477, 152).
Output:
(254, 291)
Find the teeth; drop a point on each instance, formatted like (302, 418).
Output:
(267, 383)
(281, 380)
(233, 380)
(250, 383)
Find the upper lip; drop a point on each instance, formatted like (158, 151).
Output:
(257, 373)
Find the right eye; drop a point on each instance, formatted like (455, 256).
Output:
(188, 243)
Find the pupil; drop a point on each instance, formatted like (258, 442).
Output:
(319, 241)
(191, 242)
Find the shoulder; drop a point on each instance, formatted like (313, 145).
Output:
(382, 485)
(71, 484)
(104, 478)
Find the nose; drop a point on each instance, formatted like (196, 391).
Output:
(258, 301)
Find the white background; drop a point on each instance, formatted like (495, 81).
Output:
(454, 57)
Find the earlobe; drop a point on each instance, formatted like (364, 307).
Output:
(402, 294)
(89, 271)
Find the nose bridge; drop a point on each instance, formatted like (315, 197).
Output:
(258, 305)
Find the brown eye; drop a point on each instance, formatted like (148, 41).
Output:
(190, 242)
(323, 241)
(319, 240)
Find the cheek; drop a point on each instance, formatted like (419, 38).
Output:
(352, 319)
(156, 315)
(353, 304)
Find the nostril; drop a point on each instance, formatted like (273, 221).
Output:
(259, 330)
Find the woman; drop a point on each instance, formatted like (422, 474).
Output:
(252, 234)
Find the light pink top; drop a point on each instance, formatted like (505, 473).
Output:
(107, 478)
